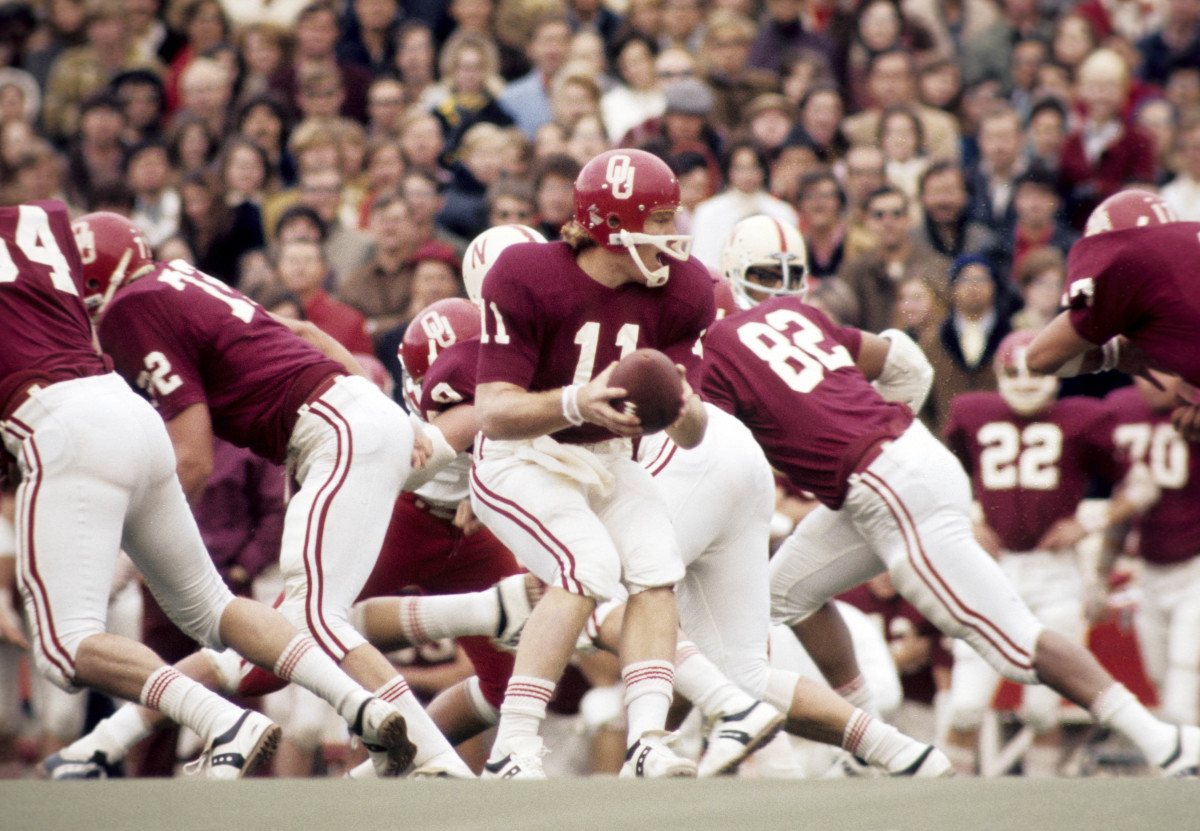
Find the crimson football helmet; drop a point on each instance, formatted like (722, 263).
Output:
(485, 249)
(438, 326)
(762, 242)
(113, 251)
(1129, 209)
(1025, 392)
(616, 192)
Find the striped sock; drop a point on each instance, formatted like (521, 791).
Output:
(649, 686)
(184, 701)
(522, 711)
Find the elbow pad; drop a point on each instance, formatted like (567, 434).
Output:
(443, 454)
(907, 375)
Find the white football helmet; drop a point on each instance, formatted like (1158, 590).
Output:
(485, 249)
(1025, 392)
(761, 242)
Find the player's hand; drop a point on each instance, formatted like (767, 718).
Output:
(1186, 420)
(1134, 361)
(595, 405)
(987, 537)
(465, 519)
(1063, 534)
(421, 451)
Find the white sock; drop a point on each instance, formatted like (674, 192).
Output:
(184, 701)
(698, 680)
(649, 686)
(522, 711)
(303, 662)
(880, 744)
(1119, 709)
(427, 619)
(857, 692)
(421, 729)
(113, 736)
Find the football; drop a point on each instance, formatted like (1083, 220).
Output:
(653, 386)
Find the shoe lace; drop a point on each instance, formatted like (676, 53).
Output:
(194, 767)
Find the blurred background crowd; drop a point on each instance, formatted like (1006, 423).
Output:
(333, 158)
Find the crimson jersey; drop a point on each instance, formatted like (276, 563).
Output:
(1170, 531)
(787, 372)
(547, 324)
(450, 380)
(186, 338)
(1140, 282)
(1028, 472)
(44, 328)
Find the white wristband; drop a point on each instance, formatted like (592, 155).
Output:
(1111, 355)
(1094, 522)
(570, 404)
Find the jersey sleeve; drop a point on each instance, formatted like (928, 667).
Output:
(508, 349)
(683, 350)
(1098, 294)
(450, 380)
(150, 353)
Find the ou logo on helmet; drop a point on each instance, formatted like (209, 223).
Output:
(438, 331)
(619, 174)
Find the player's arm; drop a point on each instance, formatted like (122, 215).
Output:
(10, 626)
(508, 412)
(191, 434)
(896, 366)
(449, 434)
(323, 341)
(1060, 350)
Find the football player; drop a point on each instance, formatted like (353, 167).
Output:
(1168, 541)
(893, 498)
(1030, 458)
(213, 362)
(97, 474)
(1131, 300)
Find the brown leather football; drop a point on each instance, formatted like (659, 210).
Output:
(654, 388)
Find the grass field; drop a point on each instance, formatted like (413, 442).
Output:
(1094, 804)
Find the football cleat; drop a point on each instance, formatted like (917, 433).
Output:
(384, 734)
(58, 766)
(734, 737)
(1184, 761)
(931, 764)
(514, 611)
(240, 750)
(523, 761)
(651, 758)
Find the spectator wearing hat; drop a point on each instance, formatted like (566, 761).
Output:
(962, 347)
(726, 46)
(685, 125)
(80, 72)
(745, 168)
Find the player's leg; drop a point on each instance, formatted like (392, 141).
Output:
(1168, 619)
(637, 517)
(912, 505)
(559, 538)
(353, 445)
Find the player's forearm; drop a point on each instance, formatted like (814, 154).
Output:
(329, 346)
(1060, 350)
(507, 413)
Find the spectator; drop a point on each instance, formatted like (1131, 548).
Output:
(791, 162)
(206, 91)
(345, 247)
(263, 120)
(821, 113)
(962, 347)
(1028, 56)
(782, 34)
(1183, 192)
(319, 92)
(903, 143)
(727, 40)
(745, 168)
(1106, 152)
(192, 144)
(553, 188)
(37, 173)
(636, 97)
(587, 139)
(385, 108)
(422, 140)
(205, 26)
(423, 193)
(479, 165)
(218, 233)
(416, 61)
(682, 25)
(575, 93)
(920, 308)
(381, 288)
(63, 27)
(992, 183)
(143, 98)
(97, 151)
(1046, 129)
(1040, 279)
(1074, 39)
(384, 168)
(263, 50)
(989, 55)
(511, 202)
(316, 40)
(369, 37)
(1036, 224)
(157, 205)
(862, 173)
(872, 277)
(1173, 44)
(469, 65)
(892, 81)
(80, 72)
(303, 271)
(879, 25)
(947, 228)
(822, 210)
(527, 99)
(769, 119)
(435, 277)
(684, 125)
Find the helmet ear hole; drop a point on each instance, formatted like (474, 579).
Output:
(613, 221)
